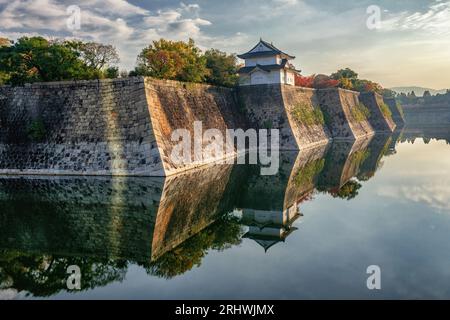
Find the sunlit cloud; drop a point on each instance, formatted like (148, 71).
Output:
(436, 20)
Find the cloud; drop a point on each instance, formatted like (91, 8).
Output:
(435, 20)
(174, 23)
(118, 22)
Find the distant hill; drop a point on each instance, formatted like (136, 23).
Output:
(417, 90)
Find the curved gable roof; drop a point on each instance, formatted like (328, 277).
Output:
(271, 51)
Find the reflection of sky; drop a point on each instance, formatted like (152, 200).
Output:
(419, 181)
(395, 222)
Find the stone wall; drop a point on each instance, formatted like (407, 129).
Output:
(123, 127)
(176, 105)
(86, 128)
(427, 115)
(397, 111)
(274, 106)
(337, 104)
(107, 127)
(380, 121)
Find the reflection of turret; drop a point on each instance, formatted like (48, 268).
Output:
(271, 202)
(342, 162)
(268, 228)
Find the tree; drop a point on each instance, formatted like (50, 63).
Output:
(426, 94)
(322, 81)
(4, 42)
(222, 67)
(173, 60)
(37, 59)
(348, 191)
(367, 86)
(96, 55)
(346, 83)
(344, 73)
(306, 82)
(388, 93)
(112, 72)
(4, 76)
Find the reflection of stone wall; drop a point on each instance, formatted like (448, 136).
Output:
(305, 174)
(377, 148)
(267, 193)
(337, 104)
(378, 120)
(136, 219)
(190, 202)
(342, 162)
(107, 218)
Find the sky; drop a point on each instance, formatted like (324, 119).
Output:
(410, 45)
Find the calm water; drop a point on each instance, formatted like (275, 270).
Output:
(226, 232)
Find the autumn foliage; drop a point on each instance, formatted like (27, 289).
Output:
(305, 82)
(315, 81)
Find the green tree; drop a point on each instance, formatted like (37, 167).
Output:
(173, 60)
(223, 68)
(344, 73)
(112, 72)
(37, 59)
(4, 76)
(348, 191)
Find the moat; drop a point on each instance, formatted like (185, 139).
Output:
(227, 232)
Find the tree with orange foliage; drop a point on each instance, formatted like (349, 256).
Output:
(322, 81)
(306, 82)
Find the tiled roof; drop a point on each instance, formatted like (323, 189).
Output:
(273, 51)
(268, 68)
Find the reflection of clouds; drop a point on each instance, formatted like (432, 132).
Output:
(8, 294)
(435, 194)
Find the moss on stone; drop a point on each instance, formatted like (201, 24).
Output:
(308, 115)
(36, 130)
(307, 174)
(386, 111)
(360, 112)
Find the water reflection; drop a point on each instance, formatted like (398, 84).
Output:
(167, 226)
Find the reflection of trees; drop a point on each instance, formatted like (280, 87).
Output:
(221, 235)
(44, 275)
(348, 191)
